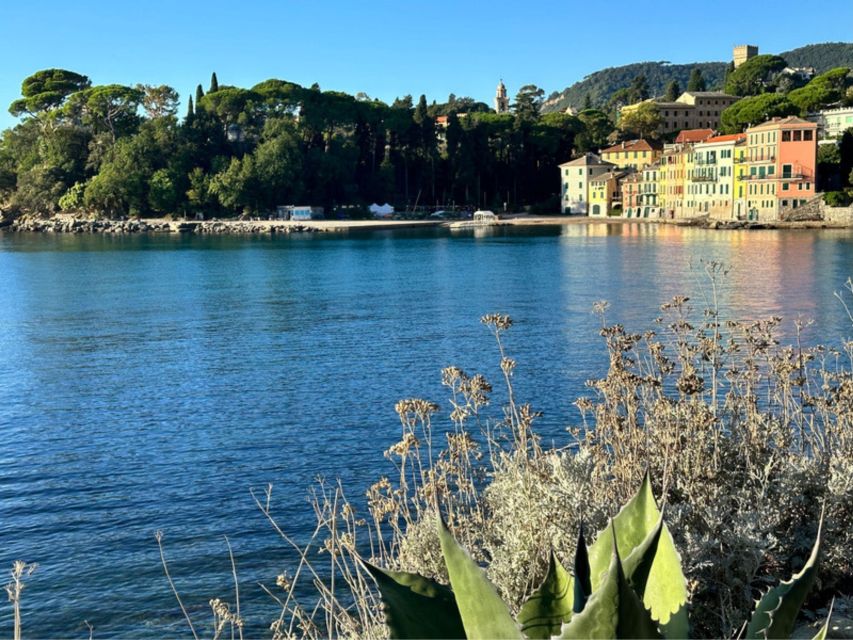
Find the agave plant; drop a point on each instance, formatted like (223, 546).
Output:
(627, 584)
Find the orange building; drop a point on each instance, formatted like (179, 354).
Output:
(782, 161)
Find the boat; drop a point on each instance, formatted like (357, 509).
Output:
(481, 218)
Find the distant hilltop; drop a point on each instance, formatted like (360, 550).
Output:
(601, 85)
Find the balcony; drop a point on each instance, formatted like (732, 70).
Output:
(700, 177)
(704, 163)
(760, 160)
(778, 176)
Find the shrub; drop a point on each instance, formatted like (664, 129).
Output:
(837, 198)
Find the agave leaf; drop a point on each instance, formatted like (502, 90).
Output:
(582, 584)
(612, 611)
(417, 607)
(777, 611)
(664, 588)
(821, 635)
(484, 614)
(544, 613)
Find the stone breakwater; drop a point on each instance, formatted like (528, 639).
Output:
(210, 227)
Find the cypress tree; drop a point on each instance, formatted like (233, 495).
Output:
(214, 83)
(587, 102)
(673, 90)
(199, 94)
(697, 80)
(190, 110)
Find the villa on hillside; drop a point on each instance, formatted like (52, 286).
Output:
(692, 110)
(633, 154)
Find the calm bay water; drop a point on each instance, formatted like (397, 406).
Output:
(149, 382)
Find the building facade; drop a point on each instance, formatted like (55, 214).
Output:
(832, 123)
(605, 193)
(575, 177)
(711, 183)
(633, 154)
(782, 160)
(692, 110)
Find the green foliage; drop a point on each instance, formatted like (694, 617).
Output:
(628, 584)
(755, 76)
(46, 90)
(697, 80)
(754, 110)
(643, 121)
(837, 198)
(822, 57)
(484, 615)
(601, 85)
(72, 200)
(822, 91)
(544, 613)
(777, 611)
(528, 102)
(417, 607)
(673, 91)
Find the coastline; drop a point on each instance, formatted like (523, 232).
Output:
(76, 224)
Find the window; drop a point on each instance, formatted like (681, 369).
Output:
(580, 185)
(807, 135)
(786, 136)
(771, 170)
(784, 186)
(786, 171)
(798, 136)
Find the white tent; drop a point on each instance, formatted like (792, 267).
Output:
(381, 211)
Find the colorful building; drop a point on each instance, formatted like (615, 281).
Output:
(832, 123)
(630, 188)
(782, 161)
(605, 194)
(633, 154)
(575, 177)
(711, 182)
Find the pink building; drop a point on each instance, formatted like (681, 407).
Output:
(782, 161)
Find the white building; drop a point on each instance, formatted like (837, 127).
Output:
(832, 123)
(575, 176)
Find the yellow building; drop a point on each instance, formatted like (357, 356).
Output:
(634, 154)
(605, 193)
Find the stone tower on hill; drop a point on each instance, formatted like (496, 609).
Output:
(501, 99)
(743, 52)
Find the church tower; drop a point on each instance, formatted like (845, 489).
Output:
(501, 101)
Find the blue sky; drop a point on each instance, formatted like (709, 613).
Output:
(388, 48)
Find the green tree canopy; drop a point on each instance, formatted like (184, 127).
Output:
(642, 121)
(755, 109)
(696, 81)
(159, 102)
(639, 90)
(673, 91)
(47, 90)
(755, 76)
(528, 102)
(822, 91)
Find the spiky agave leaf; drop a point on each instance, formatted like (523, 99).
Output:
(544, 612)
(613, 610)
(484, 614)
(824, 630)
(415, 606)
(665, 588)
(777, 611)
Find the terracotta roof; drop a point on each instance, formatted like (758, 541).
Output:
(587, 160)
(732, 137)
(694, 135)
(630, 145)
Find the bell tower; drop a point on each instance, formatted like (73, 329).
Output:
(501, 100)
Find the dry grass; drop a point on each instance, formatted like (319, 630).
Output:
(746, 440)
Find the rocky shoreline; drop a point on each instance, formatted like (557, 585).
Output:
(59, 224)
